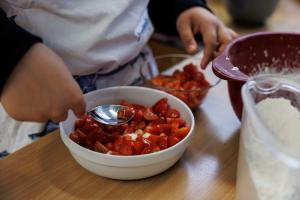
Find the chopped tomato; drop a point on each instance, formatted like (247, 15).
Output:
(163, 142)
(159, 120)
(161, 107)
(149, 115)
(126, 149)
(172, 140)
(99, 147)
(188, 79)
(138, 146)
(158, 128)
(138, 116)
(73, 136)
(181, 132)
(153, 139)
(172, 113)
(155, 149)
(152, 129)
(146, 150)
(176, 122)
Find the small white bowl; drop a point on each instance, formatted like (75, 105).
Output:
(127, 167)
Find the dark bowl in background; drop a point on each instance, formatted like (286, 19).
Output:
(250, 12)
(263, 52)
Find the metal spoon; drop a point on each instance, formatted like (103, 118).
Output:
(112, 114)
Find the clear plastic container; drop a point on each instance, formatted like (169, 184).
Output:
(269, 159)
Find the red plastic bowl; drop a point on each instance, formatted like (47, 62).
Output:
(254, 53)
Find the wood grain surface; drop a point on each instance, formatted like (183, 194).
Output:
(46, 170)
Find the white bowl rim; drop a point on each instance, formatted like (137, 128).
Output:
(86, 151)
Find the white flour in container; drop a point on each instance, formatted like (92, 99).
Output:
(260, 174)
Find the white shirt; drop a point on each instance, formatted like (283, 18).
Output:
(89, 35)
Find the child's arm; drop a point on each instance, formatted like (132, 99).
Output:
(35, 83)
(187, 18)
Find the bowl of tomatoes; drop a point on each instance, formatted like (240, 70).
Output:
(153, 141)
(179, 75)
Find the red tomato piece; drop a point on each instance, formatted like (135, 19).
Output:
(115, 135)
(181, 132)
(180, 76)
(80, 134)
(162, 142)
(161, 107)
(100, 147)
(138, 146)
(190, 85)
(155, 148)
(157, 129)
(117, 144)
(173, 113)
(89, 126)
(124, 114)
(130, 129)
(146, 150)
(89, 144)
(149, 115)
(172, 140)
(109, 146)
(126, 149)
(190, 69)
(146, 142)
(141, 125)
(153, 139)
(159, 120)
(73, 136)
(176, 122)
(127, 140)
(173, 84)
(138, 116)
(161, 80)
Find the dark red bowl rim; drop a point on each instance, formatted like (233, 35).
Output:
(222, 66)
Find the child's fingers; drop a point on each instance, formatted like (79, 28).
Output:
(210, 45)
(187, 36)
(59, 116)
(225, 36)
(79, 107)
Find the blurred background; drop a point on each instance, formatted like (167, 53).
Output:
(285, 16)
(275, 15)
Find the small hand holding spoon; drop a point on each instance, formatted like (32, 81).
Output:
(112, 114)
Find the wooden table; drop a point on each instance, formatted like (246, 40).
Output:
(207, 170)
(46, 170)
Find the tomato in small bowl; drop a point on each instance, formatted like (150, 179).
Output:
(179, 75)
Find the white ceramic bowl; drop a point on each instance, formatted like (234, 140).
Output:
(127, 167)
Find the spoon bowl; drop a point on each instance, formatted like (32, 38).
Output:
(112, 114)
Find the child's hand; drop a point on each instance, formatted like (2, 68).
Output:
(41, 88)
(214, 33)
